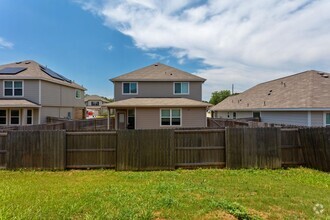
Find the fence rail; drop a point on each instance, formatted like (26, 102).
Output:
(166, 149)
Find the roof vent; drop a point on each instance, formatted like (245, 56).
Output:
(270, 90)
(264, 103)
(28, 62)
(156, 65)
(325, 76)
(18, 62)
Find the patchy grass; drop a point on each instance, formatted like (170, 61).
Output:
(180, 194)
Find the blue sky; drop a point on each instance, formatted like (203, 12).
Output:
(225, 41)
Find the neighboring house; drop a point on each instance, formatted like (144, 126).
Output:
(94, 104)
(158, 96)
(302, 99)
(29, 92)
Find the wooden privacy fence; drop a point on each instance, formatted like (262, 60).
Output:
(91, 150)
(199, 148)
(253, 148)
(316, 147)
(166, 149)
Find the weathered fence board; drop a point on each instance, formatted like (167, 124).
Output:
(145, 150)
(290, 148)
(316, 147)
(91, 149)
(36, 150)
(200, 148)
(253, 148)
(3, 150)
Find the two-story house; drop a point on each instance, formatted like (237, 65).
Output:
(158, 96)
(94, 104)
(29, 92)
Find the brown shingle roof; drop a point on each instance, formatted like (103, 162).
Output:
(34, 71)
(95, 98)
(158, 72)
(309, 89)
(17, 103)
(157, 102)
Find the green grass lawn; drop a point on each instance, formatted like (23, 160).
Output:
(180, 194)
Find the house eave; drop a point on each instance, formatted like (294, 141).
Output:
(272, 109)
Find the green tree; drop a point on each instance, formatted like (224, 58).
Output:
(219, 96)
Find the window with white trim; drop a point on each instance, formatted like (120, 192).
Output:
(130, 88)
(181, 88)
(95, 103)
(13, 88)
(3, 117)
(327, 119)
(29, 117)
(170, 117)
(14, 117)
(78, 94)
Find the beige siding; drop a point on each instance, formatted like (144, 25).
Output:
(317, 119)
(59, 96)
(35, 116)
(194, 117)
(49, 111)
(55, 112)
(50, 94)
(31, 90)
(69, 97)
(149, 118)
(159, 90)
(66, 112)
(289, 118)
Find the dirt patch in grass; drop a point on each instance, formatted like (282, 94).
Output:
(218, 214)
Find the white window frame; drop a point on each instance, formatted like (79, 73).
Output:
(325, 119)
(19, 116)
(181, 89)
(122, 88)
(6, 110)
(79, 92)
(160, 114)
(28, 116)
(13, 88)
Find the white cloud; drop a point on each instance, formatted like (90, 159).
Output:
(110, 47)
(242, 42)
(5, 44)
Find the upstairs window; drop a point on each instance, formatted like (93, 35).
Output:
(181, 88)
(95, 103)
(170, 117)
(78, 94)
(130, 88)
(13, 88)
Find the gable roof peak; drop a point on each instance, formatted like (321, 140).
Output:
(158, 72)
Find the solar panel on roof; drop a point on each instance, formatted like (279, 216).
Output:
(12, 70)
(54, 74)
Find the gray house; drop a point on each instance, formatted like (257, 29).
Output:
(158, 96)
(29, 92)
(302, 99)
